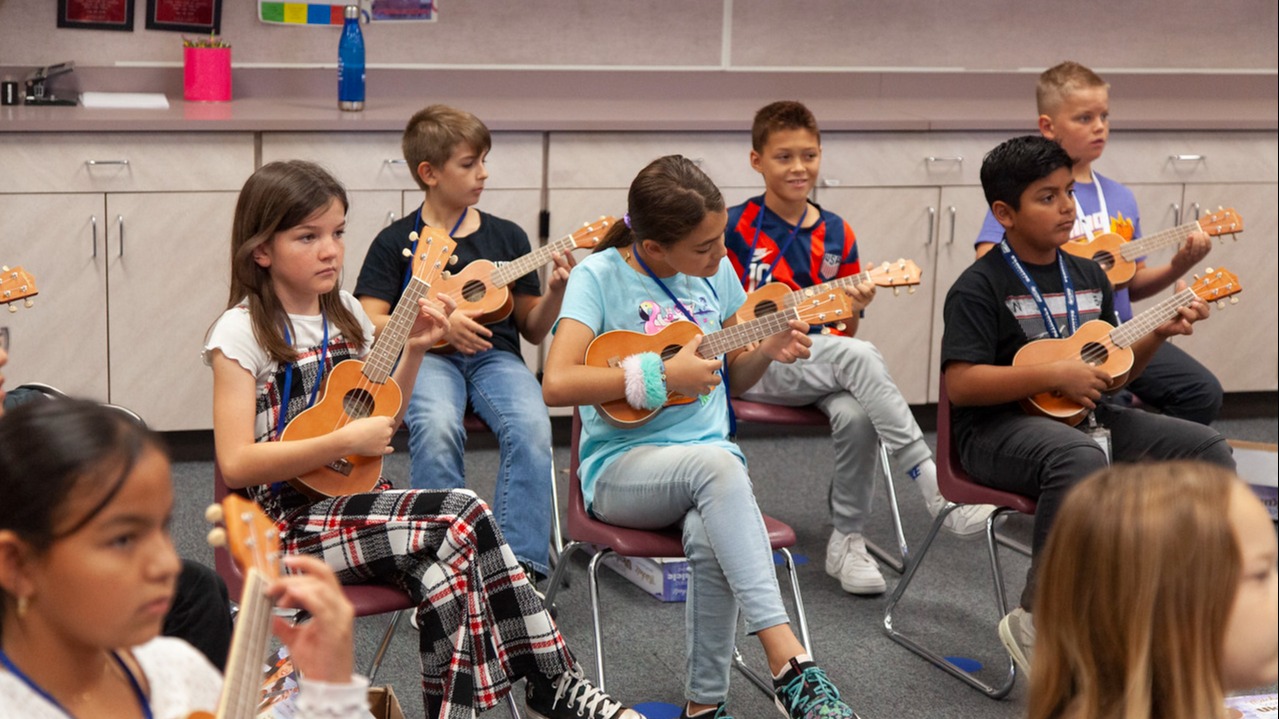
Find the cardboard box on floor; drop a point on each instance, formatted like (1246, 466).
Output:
(384, 704)
(1258, 465)
(663, 579)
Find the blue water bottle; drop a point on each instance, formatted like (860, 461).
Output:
(351, 62)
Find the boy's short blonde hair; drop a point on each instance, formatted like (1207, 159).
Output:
(1060, 80)
(433, 133)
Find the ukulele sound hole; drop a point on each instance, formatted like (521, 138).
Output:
(357, 404)
(767, 307)
(1094, 354)
(1105, 259)
(473, 291)
(670, 351)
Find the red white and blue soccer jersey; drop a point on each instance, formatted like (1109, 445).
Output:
(808, 255)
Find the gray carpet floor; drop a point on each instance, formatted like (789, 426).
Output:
(950, 605)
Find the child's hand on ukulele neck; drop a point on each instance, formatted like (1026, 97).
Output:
(1186, 317)
(432, 322)
(368, 437)
(786, 347)
(1197, 246)
(1079, 381)
(861, 295)
(690, 375)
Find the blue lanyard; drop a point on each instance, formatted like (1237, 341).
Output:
(417, 227)
(133, 682)
(723, 370)
(288, 377)
(759, 230)
(1068, 289)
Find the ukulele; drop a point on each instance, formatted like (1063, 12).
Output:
(1110, 348)
(254, 544)
(1118, 256)
(778, 295)
(610, 348)
(16, 284)
(483, 286)
(355, 389)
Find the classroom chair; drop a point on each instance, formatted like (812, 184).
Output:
(810, 416)
(585, 533)
(959, 488)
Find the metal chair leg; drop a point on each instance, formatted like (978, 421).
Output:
(801, 616)
(593, 570)
(557, 535)
(993, 691)
(896, 564)
(375, 664)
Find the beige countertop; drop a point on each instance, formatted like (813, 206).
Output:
(526, 100)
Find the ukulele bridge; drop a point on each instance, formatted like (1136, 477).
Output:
(342, 466)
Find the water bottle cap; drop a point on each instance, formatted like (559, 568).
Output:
(351, 12)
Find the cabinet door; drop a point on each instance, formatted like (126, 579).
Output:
(61, 340)
(892, 223)
(370, 211)
(168, 278)
(962, 211)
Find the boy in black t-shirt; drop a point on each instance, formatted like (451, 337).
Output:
(1020, 292)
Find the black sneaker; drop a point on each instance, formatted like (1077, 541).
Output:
(718, 712)
(572, 696)
(804, 692)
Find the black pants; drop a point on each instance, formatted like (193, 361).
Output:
(1044, 458)
(201, 613)
(1177, 385)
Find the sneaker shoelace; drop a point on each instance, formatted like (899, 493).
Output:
(582, 696)
(808, 690)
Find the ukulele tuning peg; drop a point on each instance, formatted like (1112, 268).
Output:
(1210, 270)
(841, 326)
(452, 260)
(910, 290)
(407, 252)
(446, 274)
(29, 303)
(213, 513)
(1234, 300)
(12, 309)
(1221, 304)
(896, 291)
(4, 268)
(413, 236)
(216, 537)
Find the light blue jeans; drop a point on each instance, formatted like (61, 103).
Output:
(506, 395)
(730, 561)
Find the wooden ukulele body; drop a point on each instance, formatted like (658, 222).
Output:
(348, 395)
(764, 301)
(610, 348)
(472, 288)
(1091, 344)
(1105, 250)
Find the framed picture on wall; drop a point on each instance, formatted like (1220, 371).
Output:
(196, 16)
(96, 14)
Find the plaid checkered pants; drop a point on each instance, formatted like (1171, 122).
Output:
(481, 625)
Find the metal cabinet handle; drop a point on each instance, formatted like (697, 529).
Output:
(1187, 158)
(390, 217)
(119, 221)
(945, 158)
(831, 182)
(1196, 206)
(951, 210)
(394, 161)
(93, 223)
(94, 163)
(932, 225)
(1176, 213)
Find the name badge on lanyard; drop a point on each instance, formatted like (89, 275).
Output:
(1082, 226)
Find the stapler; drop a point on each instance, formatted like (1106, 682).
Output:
(38, 93)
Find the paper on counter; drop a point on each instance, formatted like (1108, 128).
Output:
(131, 100)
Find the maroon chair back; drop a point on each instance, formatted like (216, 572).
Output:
(368, 599)
(806, 415)
(664, 543)
(955, 483)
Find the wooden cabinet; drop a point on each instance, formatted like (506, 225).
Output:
(128, 239)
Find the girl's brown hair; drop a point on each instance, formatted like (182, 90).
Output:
(1136, 586)
(280, 196)
(668, 199)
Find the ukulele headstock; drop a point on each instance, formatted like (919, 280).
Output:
(591, 233)
(1217, 285)
(16, 284)
(432, 254)
(899, 274)
(248, 535)
(1225, 221)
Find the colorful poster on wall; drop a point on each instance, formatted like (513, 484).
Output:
(96, 14)
(322, 13)
(202, 16)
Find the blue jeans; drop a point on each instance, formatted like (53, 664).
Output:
(506, 395)
(730, 560)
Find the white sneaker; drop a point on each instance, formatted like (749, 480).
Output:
(1017, 633)
(968, 520)
(848, 561)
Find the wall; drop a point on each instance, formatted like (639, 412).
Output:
(711, 34)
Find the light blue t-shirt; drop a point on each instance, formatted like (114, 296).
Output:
(605, 294)
(1121, 205)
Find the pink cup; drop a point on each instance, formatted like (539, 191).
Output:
(207, 74)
